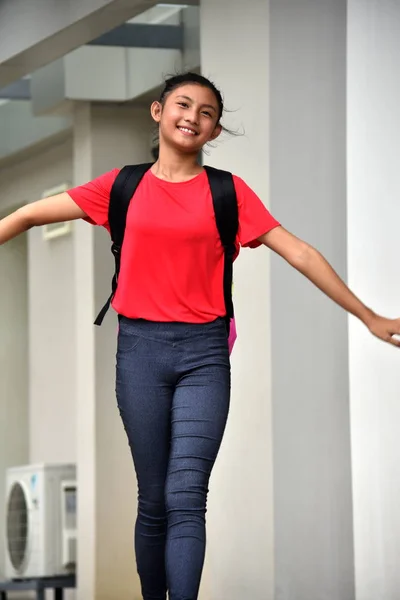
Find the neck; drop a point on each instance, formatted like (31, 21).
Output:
(175, 166)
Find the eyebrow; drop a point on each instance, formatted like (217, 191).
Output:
(203, 106)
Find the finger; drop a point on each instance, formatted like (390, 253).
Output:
(394, 341)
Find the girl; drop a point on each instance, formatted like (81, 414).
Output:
(173, 370)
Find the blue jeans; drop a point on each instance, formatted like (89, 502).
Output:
(173, 391)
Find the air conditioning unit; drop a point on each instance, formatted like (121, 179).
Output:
(40, 521)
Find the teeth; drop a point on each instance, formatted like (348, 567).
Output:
(187, 130)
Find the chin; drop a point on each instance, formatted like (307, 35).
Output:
(182, 145)
(188, 147)
(193, 150)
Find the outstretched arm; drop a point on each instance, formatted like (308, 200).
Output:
(55, 209)
(308, 261)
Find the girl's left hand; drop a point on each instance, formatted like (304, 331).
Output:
(385, 329)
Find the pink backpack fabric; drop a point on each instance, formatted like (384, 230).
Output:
(232, 336)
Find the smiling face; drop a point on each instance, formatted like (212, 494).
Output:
(189, 118)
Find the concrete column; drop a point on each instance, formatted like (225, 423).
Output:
(52, 384)
(14, 409)
(104, 137)
(373, 218)
(311, 431)
(234, 52)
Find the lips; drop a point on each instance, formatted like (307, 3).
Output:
(188, 131)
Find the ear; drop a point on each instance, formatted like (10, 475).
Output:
(156, 111)
(216, 133)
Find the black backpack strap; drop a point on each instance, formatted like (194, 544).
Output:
(227, 218)
(122, 191)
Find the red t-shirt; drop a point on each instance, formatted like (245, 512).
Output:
(172, 259)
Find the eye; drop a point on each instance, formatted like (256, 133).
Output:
(207, 114)
(183, 104)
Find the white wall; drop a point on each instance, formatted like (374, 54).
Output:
(312, 466)
(373, 264)
(239, 562)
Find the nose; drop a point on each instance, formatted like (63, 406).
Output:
(192, 117)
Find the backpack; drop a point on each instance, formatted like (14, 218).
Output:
(226, 216)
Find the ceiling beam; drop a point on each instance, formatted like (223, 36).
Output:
(138, 35)
(129, 35)
(34, 34)
(19, 90)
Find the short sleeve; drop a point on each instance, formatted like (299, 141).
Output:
(94, 197)
(254, 218)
